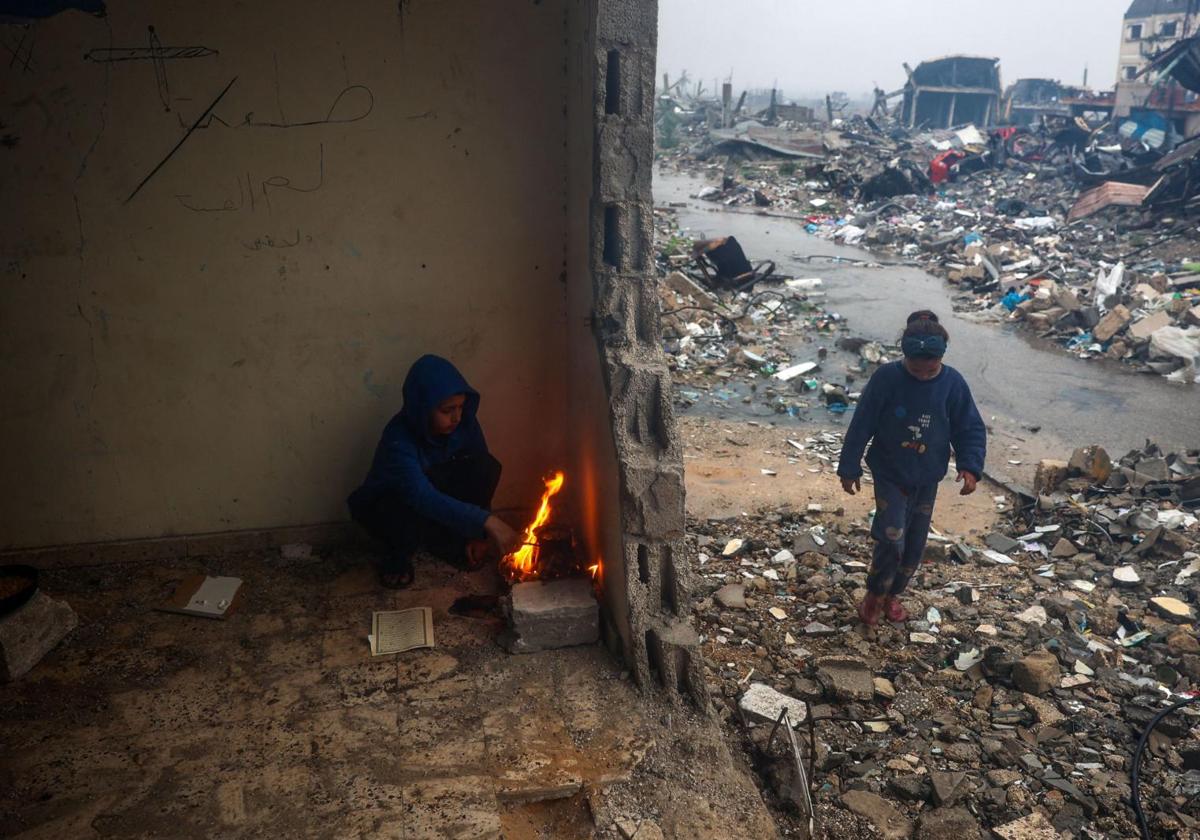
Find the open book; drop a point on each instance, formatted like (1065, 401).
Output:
(396, 631)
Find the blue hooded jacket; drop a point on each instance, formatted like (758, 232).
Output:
(911, 425)
(407, 450)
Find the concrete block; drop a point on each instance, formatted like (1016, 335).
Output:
(556, 614)
(652, 501)
(31, 632)
(626, 158)
(1112, 323)
(628, 22)
(763, 704)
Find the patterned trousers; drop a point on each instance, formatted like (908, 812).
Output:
(901, 526)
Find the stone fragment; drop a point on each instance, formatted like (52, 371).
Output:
(948, 786)
(1033, 615)
(1112, 323)
(1036, 673)
(1181, 641)
(1044, 712)
(731, 596)
(1001, 542)
(763, 704)
(31, 632)
(1092, 462)
(783, 558)
(846, 677)
(1003, 778)
(1126, 576)
(1172, 609)
(1049, 474)
(920, 638)
(1034, 826)
(777, 613)
(816, 628)
(948, 824)
(910, 787)
(556, 614)
(807, 543)
(889, 822)
(884, 688)
(648, 831)
(1063, 548)
(732, 547)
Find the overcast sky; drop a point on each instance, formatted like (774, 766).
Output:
(848, 45)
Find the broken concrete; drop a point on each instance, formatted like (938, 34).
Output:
(764, 704)
(31, 632)
(846, 677)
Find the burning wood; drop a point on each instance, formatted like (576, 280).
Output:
(525, 562)
(547, 551)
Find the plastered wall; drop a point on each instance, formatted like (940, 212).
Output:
(218, 348)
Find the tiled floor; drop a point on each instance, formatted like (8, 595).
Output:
(277, 722)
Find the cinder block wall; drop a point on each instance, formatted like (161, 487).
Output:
(647, 577)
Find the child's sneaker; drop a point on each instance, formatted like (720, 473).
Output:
(870, 609)
(895, 611)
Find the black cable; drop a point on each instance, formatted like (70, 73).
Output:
(1134, 772)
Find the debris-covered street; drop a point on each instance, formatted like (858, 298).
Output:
(1052, 620)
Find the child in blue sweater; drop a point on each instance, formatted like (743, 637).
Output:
(913, 411)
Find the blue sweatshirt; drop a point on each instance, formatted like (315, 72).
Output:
(407, 449)
(912, 425)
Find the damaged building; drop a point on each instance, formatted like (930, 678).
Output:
(950, 91)
(233, 229)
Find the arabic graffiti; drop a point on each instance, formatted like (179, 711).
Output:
(253, 192)
(351, 104)
(269, 241)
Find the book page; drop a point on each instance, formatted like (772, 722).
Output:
(400, 630)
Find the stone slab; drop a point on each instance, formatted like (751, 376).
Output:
(31, 632)
(555, 614)
(763, 704)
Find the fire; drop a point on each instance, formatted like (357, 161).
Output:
(522, 563)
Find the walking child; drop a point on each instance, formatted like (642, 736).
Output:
(912, 412)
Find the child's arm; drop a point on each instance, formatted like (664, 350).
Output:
(404, 473)
(968, 434)
(862, 429)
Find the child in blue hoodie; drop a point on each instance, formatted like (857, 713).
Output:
(432, 479)
(913, 411)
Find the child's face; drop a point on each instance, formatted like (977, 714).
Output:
(923, 369)
(445, 418)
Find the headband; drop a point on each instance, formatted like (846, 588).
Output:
(923, 346)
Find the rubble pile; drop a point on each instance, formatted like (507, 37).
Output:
(1014, 698)
(773, 346)
(1078, 234)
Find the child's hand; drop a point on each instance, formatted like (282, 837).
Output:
(968, 481)
(499, 532)
(851, 485)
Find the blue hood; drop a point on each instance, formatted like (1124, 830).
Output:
(430, 380)
(406, 450)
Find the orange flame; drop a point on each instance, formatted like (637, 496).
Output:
(519, 565)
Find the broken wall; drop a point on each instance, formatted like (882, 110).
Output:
(646, 575)
(231, 229)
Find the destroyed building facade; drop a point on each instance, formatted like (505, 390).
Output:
(954, 90)
(1150, 28)
(227, 251)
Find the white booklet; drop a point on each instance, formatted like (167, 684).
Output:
(396, 631)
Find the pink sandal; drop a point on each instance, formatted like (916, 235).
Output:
(895, 611)
(869, 610)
